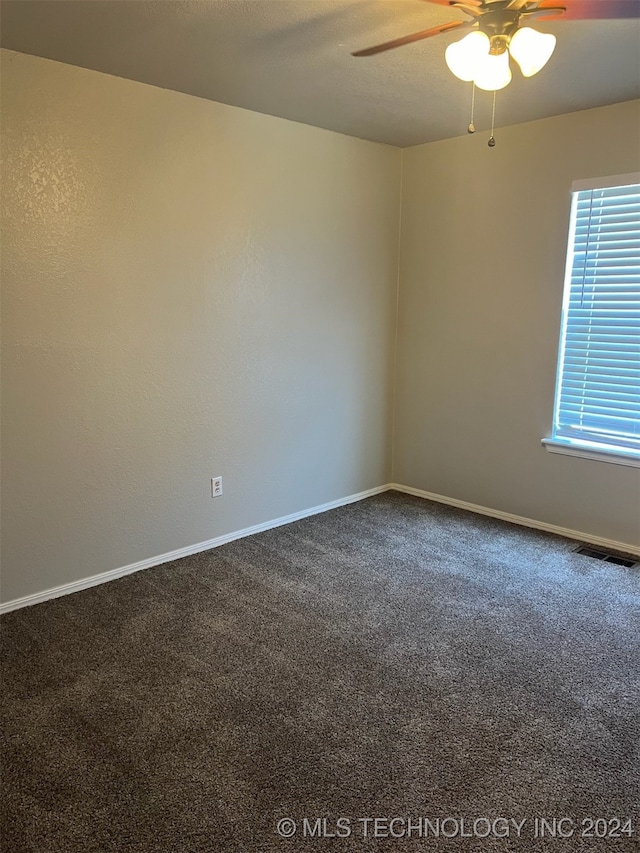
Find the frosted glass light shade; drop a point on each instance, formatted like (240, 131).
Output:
(531, 49)
(463, 56)
(492, 72)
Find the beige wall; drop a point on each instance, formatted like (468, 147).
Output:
(482, 264)
(189, 289)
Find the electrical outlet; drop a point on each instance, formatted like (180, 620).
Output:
(216, 487)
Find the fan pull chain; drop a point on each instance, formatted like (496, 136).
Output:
(472, 127)
(492, 140)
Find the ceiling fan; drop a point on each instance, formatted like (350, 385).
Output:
(498, 30)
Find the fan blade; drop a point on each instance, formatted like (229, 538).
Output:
(584, 10)
(455, 2)
(469, 7)
(423, 34)
(576, 9)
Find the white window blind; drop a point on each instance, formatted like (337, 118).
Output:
(598, 389)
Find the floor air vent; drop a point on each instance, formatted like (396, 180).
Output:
(605, 556)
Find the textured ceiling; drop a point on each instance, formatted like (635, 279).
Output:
(291, 58)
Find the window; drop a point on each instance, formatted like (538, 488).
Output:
(597, 403)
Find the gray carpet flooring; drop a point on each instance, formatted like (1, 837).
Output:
(391, 659)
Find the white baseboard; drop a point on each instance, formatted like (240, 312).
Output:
(104, 577)
(519, 519)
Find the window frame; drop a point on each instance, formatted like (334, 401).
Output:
(574, 446)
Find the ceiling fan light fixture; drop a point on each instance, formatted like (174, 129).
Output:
(531, 49)
(464, 57)
(492, 72)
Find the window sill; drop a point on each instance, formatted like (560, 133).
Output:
(587, 451)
